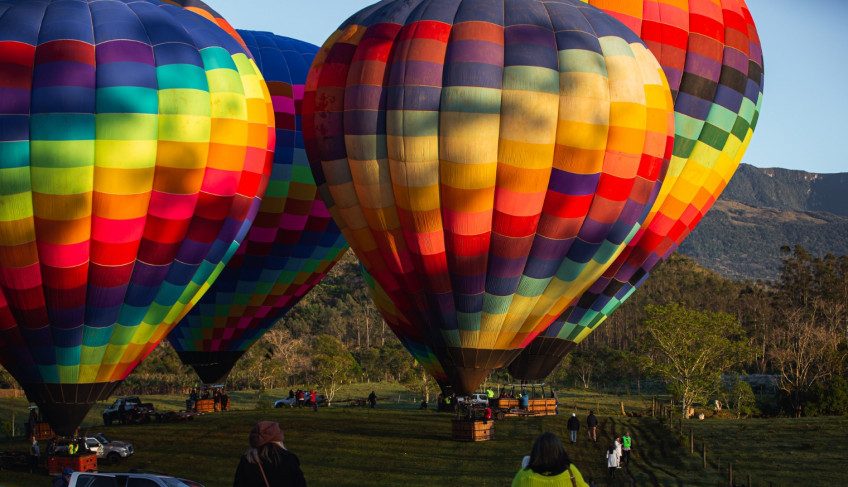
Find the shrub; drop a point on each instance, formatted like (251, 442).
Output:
(828, 399)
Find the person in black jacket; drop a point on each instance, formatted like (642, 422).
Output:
(592, 423)
(573, 426)
(267, 462)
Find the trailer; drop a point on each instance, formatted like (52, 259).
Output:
(535, 401)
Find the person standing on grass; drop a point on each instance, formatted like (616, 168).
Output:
(592, 423)
(548, 465)
(34, 455)
(573, 427)
(372, 399)
(267, 462)
(313, 400)
(626, 443)
(613, 461)
(617, 446)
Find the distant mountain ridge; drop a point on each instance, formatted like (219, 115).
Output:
(762, 210)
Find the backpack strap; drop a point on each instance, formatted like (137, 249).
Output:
(573, 480)
(262, 471)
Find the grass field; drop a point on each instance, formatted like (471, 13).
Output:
(396, 444)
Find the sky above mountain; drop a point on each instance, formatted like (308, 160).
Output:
(805, 104)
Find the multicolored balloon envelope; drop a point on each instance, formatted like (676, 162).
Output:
(292, 244)
(486, 160)
(711, 54)
(402, 326)
(135, 137)
(208, 13)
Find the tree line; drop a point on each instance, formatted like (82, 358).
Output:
(792, 330)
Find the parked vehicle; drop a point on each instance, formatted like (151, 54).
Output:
(88, 479)
(476, 399)
(111, 451)
(128, 410)
(290, 402)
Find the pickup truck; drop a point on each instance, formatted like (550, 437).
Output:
(97, 443)
(128, 410)
(111, 450)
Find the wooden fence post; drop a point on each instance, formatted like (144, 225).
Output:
(681, 426)
(705, 455)
(749, 480)
(621, 403)
(691, 442)
(730, 473)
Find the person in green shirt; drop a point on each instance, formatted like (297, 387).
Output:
(548, 465)
(626, 441)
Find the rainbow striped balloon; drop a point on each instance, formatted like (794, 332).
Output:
(292, 244)
(135, 138)
(486, 160)
(711, 54)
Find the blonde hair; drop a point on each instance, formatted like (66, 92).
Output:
(264, 453)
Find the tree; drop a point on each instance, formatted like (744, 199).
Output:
(739, 395)
(804, 352)
(419, 382)
(333, 364)
(691, 349)
(285, 351)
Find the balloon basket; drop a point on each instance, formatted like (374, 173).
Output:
(473, 430)
(78, 463)
(205, 406)
(43, 431)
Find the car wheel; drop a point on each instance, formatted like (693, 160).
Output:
(107, 420)
(278, 405)
(113, 458)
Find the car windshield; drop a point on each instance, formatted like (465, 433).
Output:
(102, 438)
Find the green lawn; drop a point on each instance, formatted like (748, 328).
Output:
(396, 444)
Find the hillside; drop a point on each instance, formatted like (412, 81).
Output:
(762, 210)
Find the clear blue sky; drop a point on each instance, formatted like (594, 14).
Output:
(804, 118)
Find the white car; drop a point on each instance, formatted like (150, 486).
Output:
(89, 479)
(290, 402)
(476, 399)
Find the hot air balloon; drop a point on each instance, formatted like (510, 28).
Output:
(135, 136)
(409, 336)
(712, 57)
(208, 13)
(486, 160)
(292, 244)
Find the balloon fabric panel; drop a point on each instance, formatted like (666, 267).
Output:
(292, 244)
(208, 13)
(138, 136)
(712, 57)
(449, 139)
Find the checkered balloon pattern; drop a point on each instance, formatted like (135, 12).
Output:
(711, 55)
(486, 160)
(135, 138)
(292, 244)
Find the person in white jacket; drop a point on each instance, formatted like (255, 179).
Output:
(618, 452)
(612, 461)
